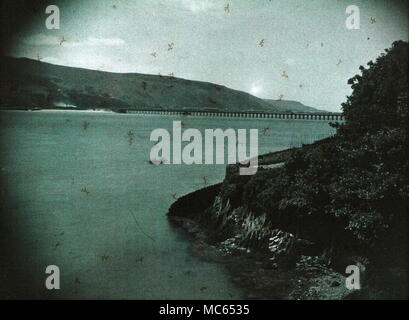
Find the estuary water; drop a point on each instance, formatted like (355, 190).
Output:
(79, 192)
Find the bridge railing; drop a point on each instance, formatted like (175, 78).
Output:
(246, 114)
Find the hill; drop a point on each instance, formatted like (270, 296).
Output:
(292, 106)
(26, 83)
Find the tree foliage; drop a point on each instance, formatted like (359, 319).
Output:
(380, 93)
(353, 190)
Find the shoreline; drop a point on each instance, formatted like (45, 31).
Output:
(261, 274)
(241, 268)
(253, 273)
(61, 110)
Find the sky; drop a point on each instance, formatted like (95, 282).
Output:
(290, 49)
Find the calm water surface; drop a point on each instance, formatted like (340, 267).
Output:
(88, 201)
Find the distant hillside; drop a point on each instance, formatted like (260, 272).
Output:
(26, 83)
(292, 106)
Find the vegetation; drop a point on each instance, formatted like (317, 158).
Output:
(350, 194)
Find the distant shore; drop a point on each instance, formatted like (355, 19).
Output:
(61, 110)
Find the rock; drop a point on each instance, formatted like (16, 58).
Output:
(335, 284)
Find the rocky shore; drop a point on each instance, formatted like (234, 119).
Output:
(267, 262)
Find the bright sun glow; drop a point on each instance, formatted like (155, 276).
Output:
(255, 90)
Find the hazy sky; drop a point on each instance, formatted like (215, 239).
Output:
(307, 53)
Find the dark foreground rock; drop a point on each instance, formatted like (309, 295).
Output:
(267, 263)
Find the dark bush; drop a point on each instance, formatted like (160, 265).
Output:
(351, 192)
